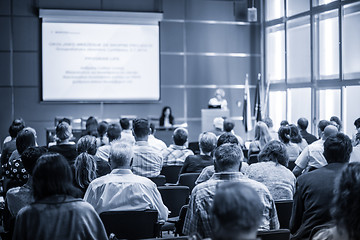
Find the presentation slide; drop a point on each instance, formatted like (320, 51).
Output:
(100, 62)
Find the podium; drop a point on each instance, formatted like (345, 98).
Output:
(208, 115)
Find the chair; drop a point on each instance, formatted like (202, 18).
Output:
(174, 197)
(280, 234)
(291, 165)
(253, 158)
(171, 173)
(194, 146)
(179, 224)
(159, 180)
(284, 210)
(188, 179)
(131, 224)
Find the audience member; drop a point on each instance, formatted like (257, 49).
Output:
(337, 122)
(127, 135)
(113, 134)
(10, 145)
(314, 190)
(64, 146)
(91, 126)
(56, 214)
(312, 156)
(357, 127)
(121, 189)
(284, 123)
(218, 101)
(272, 171)
(355, 155)
(236, 212)
(196, 163)
(229, 127)
(87, 144)
(218, 124)
(102, 139)
(19, 197)
(228, 158)
(176, 153)
(85, 171)
(292, 149)
(147, 161)
(153, 141)
(166, 118)
(345, 210)
(295, 137)
(262, 137)
(302, 125)
(269, 123)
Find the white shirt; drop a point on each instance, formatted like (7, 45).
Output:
(156, 143)
(355, 155)
(127, 136)
(215, 102)
(121, 190)
(312, 156)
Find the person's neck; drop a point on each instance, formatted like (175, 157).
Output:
(64, 141)
(144, 139)
(203, 153)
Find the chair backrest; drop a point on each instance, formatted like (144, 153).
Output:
(253, 158)
(188, 179)
(131, 224)
(171, 173)
(280, 234)
(180, 223)
(159, 180)
(284, 210)
(291, 165)
(194, 146)
(174, 197)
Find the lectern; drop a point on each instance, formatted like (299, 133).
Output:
(208, 115)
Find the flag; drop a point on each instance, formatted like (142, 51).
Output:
(247, 109)
(257, 105)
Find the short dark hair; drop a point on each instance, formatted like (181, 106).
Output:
(152, 128)
(207, 142)
(16, 126)
(52, 176)
(336, 120)
(102, 128)
(87, 144)
(180, 136)
(30, 156)
(227, 156)
(346, 200)
(295, 135)
(323, 124)
(228, 125)
(25, 139)
(91, 126)
(284, 134)
(227, 138)
(113, 131)
(284, 123)
(125, 123)
(268, 121)
(337, 148)
(141, 127)
(274, 151)
(357, 123)
(303, 123)
(237, 209)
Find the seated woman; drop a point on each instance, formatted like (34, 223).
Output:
(166, 118)
(295, 137)
(345, 207)
(64, 146)
(10, 142)
(262, 137)
(272, 171)
(293, 150)
(102, 139)
(85, 171)
(56, 214)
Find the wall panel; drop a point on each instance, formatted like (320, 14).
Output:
(70, 4)
(26, 34)
(5, 69)
(27, 69)
(5, 33)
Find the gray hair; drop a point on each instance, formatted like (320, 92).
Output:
(227, 156)
(207, 141)
(120, 154)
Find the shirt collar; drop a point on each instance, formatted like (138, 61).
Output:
(177, 147)
(228, 176)
(121, 171)
(141, 143)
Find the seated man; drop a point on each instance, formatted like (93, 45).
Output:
(153, 141)
(228, 159)
(126, 133)
(113, 133)
(196, 163)
(236, 212)
(312, 156)
(314, 190)
(176, 153)
(121, 190)
(147, 161)
(302, 125)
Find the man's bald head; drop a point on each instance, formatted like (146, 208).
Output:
(329, 131)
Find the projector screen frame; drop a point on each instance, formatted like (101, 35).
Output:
(100, 17)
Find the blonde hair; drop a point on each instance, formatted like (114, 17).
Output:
(85, 169)
(262, 134)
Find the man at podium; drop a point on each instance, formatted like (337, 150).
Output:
(218, 101)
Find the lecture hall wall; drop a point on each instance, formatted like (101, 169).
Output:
(190, 30)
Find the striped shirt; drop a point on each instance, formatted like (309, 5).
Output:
(175, 155)
(147, 161)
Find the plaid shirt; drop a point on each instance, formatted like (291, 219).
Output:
(147, 161)
(175, 155)
(198, 215)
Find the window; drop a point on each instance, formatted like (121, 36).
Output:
(277, 107)
(351, 110)
(294, 7)
(329, 103)
(275, 54)
(274, 9)
(296, 108)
